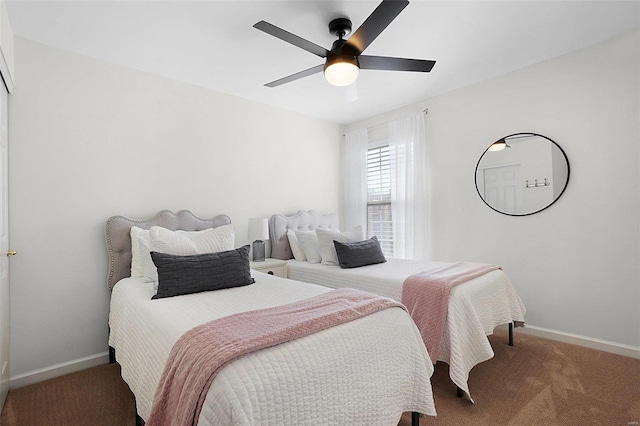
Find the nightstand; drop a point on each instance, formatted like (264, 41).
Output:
(270, 266)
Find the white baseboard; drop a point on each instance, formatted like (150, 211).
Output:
(53, 371)
(35, 376)
(575, 339)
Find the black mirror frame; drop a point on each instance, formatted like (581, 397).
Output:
(475, 180)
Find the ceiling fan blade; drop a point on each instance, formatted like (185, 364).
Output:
(296, 76)
(394, 64)
(291, 38)
(376, 23)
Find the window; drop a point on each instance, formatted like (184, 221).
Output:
(385, 185)
(379, 220)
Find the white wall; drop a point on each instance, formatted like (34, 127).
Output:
(89, 140)
(576, 264)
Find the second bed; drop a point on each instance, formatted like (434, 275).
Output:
(475, 308)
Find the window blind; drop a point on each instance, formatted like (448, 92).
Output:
(379, 221)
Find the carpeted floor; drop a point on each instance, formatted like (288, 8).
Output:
(541, 382)
(93, 397)
(536, 382)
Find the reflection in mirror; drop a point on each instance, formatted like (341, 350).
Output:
(522, 174)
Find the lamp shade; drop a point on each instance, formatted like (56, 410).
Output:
(341, 70)
(258, 228)
(499, 145)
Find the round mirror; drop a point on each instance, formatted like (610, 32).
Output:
(522, 174)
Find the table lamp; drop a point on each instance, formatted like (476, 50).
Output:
(258, 231)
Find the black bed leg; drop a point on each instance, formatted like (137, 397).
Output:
(415, 419)
(112, 355)
(139, 421)
(511, 333)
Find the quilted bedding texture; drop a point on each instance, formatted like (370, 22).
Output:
(377, 363)
(475, 308)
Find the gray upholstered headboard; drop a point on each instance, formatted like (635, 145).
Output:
(118, 235)
(304, 220)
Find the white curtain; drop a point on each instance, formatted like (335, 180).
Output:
(409, 197)
(355, 179)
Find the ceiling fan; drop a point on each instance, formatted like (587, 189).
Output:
(345, 59)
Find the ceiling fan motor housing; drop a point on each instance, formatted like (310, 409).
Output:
(340, 27)
(341, 57)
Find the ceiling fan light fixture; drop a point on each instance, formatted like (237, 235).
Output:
(341, 71)
(499, 145)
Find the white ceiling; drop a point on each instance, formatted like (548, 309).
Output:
(212, 43)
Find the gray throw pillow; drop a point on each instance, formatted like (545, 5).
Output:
(361, 253)
(178, 275)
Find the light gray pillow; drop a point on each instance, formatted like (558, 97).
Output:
(326, 237)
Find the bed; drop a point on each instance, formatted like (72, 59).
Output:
(475, 308)
(367, 371)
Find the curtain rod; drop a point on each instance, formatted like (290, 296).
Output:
(384, 123)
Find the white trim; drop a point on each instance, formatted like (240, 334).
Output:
(575, 339)
(377, 143)
(35, 376)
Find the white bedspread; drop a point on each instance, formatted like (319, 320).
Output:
(475, 308)
(366, 372)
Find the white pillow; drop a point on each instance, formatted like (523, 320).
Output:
(184, 243)
(298, 253)
(137, 265)
(327, 248)
(149, 268)
(309, 243)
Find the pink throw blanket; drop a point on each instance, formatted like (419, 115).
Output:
(426, 296)
(201, 352)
